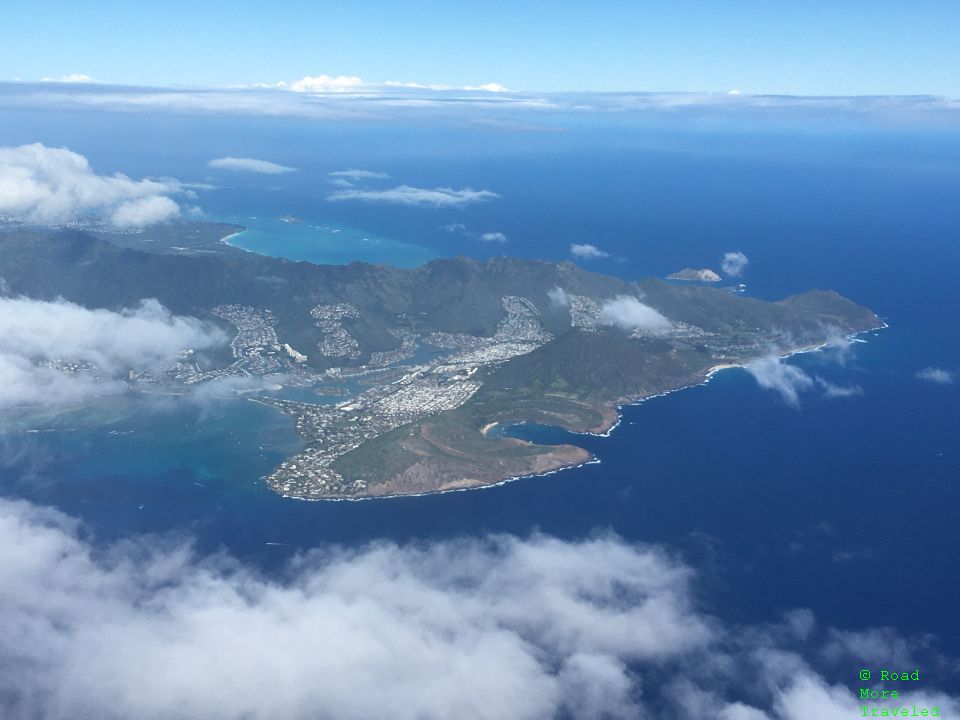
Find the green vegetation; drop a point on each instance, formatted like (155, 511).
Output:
(570, 371)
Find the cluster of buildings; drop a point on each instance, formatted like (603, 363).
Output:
(337, 342)
(443, 383)
(256, 349)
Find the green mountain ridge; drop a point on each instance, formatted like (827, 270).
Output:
(516, 340)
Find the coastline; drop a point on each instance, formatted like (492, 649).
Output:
(226, 239)
(712, 371)
(593, 460)
(483, 486)
(326, 244)
(611, 417)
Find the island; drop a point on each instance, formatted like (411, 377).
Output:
(410, 374)
(692, 275)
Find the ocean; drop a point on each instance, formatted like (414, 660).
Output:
(849, 506)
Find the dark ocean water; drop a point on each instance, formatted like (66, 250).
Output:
(848, 506)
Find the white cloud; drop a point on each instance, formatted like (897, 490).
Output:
(490, 628)
(462, 230)
(501, 628)
(415, 85)
(628, 313)
(771, 373)
(832, 390)
(367, 102)
(734, 263)
(358, 175)
(24, 383)
(250, 165)
(71, 78)
(790, 381)
(880, 646)
(231, 386)
(327, 84)
(488, 87)
(839, 348)
(408, 195)
(936, 375)
(485, 87)
(143, 212)
(100, 345)
(587, 252)
(54, 186)
(559, 297)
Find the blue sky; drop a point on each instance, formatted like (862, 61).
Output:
(811, 47)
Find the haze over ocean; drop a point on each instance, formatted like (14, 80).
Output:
(848, 506)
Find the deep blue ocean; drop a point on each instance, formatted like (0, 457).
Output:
(847, 506)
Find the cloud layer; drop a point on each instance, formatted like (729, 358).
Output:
(628, 313)
(350, 97)
(498, 628)
(38, 339)
(54, 186)
(250, 165)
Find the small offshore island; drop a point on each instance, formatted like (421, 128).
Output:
(412, 368)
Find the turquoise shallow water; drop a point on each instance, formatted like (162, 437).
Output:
(324, 243)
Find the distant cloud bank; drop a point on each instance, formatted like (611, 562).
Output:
(250, 165)
(353, 98)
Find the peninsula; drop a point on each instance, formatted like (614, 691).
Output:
(411, 368)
